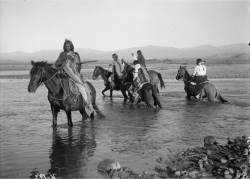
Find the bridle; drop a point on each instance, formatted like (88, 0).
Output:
(43, 82)
(178, 74)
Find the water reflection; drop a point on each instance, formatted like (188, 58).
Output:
(71, 149)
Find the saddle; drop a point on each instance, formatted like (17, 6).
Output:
(70, 87)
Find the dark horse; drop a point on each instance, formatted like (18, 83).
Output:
(105, 74)
(155, 77)
(209, 89)
(59, 94)
(146, 92)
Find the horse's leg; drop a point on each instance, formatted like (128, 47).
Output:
(69, 118)
(123, 90)
(155, 97)
(54, 113)
(146, 93)
(186, 88)
(106, 89)
(111, 93)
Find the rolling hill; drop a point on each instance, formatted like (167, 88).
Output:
(228, 52)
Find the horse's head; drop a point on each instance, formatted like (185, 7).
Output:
(181, 72)
(96, 72)
(37, 75)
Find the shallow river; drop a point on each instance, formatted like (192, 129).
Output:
(132, 134)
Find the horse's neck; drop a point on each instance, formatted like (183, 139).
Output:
(104, 77)
(54, 81)
(186, 76)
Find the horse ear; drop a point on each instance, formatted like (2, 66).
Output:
(32, 63)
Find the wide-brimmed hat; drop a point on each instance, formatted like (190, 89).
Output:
(199, 61)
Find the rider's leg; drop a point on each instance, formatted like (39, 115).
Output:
(86, 101)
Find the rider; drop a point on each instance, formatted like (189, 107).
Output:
(118, 67)
(199, 74)
(140, 58)
(70, 60)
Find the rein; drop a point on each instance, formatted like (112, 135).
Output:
(60, 84)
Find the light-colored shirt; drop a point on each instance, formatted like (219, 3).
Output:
(134, 57)
(137, 67)
(200, 70)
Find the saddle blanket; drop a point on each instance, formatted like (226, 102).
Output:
(77, 89)
(196, 88)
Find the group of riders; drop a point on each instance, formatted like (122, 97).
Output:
(69, 61)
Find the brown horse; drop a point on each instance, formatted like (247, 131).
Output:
(209, 89)
(105, 74)
(59, 93)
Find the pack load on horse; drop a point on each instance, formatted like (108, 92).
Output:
(208, 90)
(146, 90)
(199, 79)
(140, 77)
(105, 74)
(66, 88)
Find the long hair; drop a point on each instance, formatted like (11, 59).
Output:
(70, 44)
(139, 53)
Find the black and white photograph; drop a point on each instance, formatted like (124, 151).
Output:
(125, 89)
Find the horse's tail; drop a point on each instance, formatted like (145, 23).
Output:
(220, 97)
(155, 96)
(98, 111)
(161, 80)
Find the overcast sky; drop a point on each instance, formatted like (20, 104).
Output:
(117, 24)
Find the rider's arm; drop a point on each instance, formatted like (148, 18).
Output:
(136, 71)
(134, 56)
(70, 72)
(205, 69)
(79, 66)
(195, 70)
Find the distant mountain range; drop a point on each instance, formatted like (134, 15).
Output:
(149, 52)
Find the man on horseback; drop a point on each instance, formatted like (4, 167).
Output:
(69, 61)
(117, 69)
(140, 58)
(199, 75)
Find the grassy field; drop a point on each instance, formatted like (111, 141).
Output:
(168, 71)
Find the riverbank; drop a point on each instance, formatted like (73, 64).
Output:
(210, 161)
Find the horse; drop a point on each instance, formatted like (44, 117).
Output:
(147, 90)
(59, 94)
(105, 74)
(155, 77)
(209, 89)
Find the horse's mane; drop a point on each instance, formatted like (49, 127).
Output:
(184, 67)
(43, 64)
(106, 72)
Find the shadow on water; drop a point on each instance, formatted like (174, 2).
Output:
(71, 149)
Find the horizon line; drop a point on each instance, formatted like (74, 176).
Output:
(126, 48)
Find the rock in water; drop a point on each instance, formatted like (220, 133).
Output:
(209, 141)
(108, 164)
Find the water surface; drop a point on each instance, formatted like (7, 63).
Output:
(132, 134)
